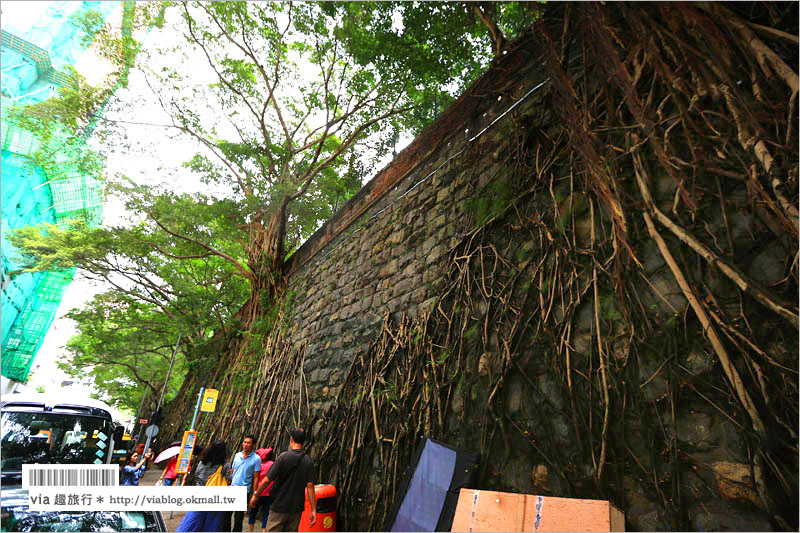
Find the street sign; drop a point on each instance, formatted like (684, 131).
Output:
(209, 402)
(187, 449)
(151, 431)
(143, 421)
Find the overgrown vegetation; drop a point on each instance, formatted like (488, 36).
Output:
(670, 160)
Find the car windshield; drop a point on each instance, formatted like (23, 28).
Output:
(29, 438)
(20, 519)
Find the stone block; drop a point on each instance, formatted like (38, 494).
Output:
(388, 269)
(514, 397)
(653, 382)
(664, 296)
(768, 266)
(402, 287)
(430, 274)
(695, 430)
(428, 245)
(735, 481)
(364, 304)
(419, 294)
(399, 303)
(435, 253)
(551, 390)
(428, 305)
(397, 236)
(699, 362)
(410, 270)
(718, 515)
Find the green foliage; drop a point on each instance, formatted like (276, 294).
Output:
(389, 391)
(608, 308)
(440, 47)
(123, 347)
(306, 98)
(120, 50)
(490, 202)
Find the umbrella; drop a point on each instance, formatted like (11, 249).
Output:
(169, 453)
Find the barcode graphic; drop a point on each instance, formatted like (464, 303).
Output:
(95, 476)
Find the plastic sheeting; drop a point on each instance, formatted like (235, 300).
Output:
(429, 491)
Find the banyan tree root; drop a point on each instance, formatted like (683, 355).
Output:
(630, 83)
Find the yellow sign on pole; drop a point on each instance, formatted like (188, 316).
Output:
(187, 449)
(209, 402)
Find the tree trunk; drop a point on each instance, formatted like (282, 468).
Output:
(266, 260)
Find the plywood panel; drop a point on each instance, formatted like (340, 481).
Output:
(504, 511)
(617, 519)
(566, 514)
(494, 511)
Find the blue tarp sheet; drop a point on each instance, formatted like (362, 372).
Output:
(427, 491)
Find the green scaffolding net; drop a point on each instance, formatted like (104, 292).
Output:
(33, 62)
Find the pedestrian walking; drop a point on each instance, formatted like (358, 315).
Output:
(293, 474)
(211, 470)
(168, 475)
(264, 497)
(132, 470)
(246, 469)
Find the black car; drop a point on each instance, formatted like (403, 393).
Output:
(17, 517)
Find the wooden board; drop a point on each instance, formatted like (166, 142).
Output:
(505, 511)
(567, 514)
(494, 511)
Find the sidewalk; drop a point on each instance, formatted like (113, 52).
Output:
(150, 477)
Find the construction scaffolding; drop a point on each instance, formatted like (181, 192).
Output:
(34, 65)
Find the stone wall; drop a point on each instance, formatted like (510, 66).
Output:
(390, 248)
(385, 249)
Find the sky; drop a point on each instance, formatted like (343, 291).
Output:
(164, 152)
(155, 157)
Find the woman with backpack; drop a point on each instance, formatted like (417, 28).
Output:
(211, 470)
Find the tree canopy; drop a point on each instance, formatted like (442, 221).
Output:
(290, 105)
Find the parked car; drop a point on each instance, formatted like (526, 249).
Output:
(15, 516)
(54, 429)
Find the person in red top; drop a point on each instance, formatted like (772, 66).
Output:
(169, 475)
(264, 499)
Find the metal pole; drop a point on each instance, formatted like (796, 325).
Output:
(139, 415)
(197, 407)
(194, 420)
(164, 388)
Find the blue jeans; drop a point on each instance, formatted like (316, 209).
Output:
(168, 482)
(263, 502)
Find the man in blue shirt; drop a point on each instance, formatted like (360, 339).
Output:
(246, 468)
